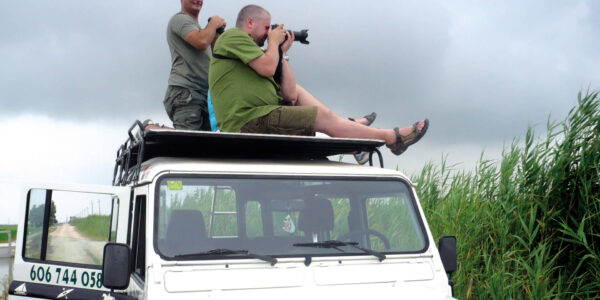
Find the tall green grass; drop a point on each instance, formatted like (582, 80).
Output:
(528, 225)
(94, 227)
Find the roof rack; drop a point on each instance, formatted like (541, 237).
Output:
(143, 144)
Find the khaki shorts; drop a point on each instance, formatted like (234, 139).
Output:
(290, 120)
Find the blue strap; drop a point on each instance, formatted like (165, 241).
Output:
(211, 114)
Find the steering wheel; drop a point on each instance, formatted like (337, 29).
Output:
(367, 232)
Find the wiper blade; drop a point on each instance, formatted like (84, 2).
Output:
(335, 244)
(225, 252)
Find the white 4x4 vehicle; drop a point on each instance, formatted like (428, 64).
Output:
(196, 215)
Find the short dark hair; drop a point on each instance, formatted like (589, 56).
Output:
(249, 11)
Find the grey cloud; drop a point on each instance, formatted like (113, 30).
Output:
(480, 71)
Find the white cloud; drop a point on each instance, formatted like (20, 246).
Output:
(40, 149)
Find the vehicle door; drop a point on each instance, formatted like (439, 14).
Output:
(64, 228)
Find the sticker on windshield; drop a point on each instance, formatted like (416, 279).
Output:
(288, 224)
(174, 185)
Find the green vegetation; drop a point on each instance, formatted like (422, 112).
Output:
(36, 215)
(93, 226)
(528, 226)
(4, 236)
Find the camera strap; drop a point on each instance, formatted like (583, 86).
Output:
(278, 70)
(219, 56)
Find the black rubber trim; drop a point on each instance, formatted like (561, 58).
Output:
(47, 291)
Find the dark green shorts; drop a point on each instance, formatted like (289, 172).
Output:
(187, 108)
(289, 120)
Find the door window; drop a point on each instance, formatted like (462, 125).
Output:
(70, 227)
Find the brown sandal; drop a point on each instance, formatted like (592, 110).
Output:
(370, 118)
(404, 141)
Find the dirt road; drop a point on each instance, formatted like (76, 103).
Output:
(68, 231)
(67, 244)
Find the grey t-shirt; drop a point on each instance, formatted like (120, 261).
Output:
(189, 65)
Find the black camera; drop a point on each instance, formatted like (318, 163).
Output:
(299, 36)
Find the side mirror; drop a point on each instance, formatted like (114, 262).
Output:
(116, 266)
(447, 248)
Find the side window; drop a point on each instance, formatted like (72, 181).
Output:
(35, 223)
(70, 227)
(222, 220)
(285, 214)
(254, 223)
(139, 237)
(341, 209)
(114, 216)
(391, 216)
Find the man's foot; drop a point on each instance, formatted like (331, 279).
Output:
(363, 156)
(149, 124)
(366, 120)
(408, 136)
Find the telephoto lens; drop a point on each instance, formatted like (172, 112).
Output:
(299, 36)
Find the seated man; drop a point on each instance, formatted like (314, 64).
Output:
(246, 97)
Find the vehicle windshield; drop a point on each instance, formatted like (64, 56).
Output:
(269, 215)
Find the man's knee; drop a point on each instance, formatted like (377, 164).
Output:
(324, 113)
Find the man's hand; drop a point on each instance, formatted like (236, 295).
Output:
(277, 35)
(203, 38)
(216, 22)
(288, 43)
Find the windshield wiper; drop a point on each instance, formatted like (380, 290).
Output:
(225, 252)
(335, 244)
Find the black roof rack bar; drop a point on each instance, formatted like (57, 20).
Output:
(378, 154)
(142, 145)
(140, 142)
(118, 164)
(121, 175)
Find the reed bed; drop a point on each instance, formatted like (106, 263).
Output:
(528, 224)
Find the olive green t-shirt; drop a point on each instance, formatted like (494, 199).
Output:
(238, 93)
(189, 66)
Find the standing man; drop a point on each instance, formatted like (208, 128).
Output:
(246, 98)
(190, 46)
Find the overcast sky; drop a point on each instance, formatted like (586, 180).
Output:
(74, 75)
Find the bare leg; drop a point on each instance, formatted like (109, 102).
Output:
(333, 125)
(306, 99)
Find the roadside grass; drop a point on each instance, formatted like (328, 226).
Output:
(528, 225)
(93, 226)
(4, 236)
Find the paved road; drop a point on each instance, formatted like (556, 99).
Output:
(66, 243)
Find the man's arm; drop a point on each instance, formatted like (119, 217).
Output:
(203, 38)
(266, 65)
